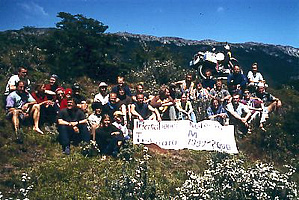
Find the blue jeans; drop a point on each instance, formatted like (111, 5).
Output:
(66, 134)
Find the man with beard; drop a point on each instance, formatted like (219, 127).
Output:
(72, 124)
(20, 105)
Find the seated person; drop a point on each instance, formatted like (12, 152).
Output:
(80, 100)
(113, 106)
(254, 104)
(119, 123)
(220, 92)
(164, 103)
(271, 103)
(108, 137)
(186, 85)
(121, 83)
(201, 93)
(13, 80)
(140, 90)
(48, 111)
(103, 95)
(144, 111)
(20, 105)
(238, 114)
(208, 83)
(254, 78)
(95, 118)
(236, 81)
(185, 109)
(72, 125)
(51, 87)
(216, 112)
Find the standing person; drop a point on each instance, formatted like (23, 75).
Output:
(185, 109)
(13, 80)
(20, 105)
(108, 137)
(254, 78)
(216, 112)
(103, 95)
(51, 87)
(165, 104)
(236, 81)
(238, 113)
(72, 124)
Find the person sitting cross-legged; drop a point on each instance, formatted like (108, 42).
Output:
(72, 125)
(20, 105)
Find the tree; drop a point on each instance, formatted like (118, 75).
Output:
(78, 47)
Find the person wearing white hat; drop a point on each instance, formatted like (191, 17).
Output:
(103, 95)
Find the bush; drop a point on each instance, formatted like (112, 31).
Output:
(231, 179)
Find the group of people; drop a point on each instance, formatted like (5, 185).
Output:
(241, 101)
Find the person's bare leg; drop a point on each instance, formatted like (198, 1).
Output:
(15, 120)
(36, 115)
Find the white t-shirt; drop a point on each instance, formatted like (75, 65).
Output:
(13, 80)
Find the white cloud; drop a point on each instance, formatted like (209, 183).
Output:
(220, 9)
(32, 8)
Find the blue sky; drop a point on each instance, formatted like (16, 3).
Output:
(234, 21)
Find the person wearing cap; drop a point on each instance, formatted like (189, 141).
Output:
(80, 100)
(51, 87)
(119, 123)
(103, 95)
(72, 124)
(67, 94)
(271, 103)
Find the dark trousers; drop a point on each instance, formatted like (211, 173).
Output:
(67, 134)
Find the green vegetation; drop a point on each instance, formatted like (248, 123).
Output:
(79, 49)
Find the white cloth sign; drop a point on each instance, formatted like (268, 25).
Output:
(205, 135)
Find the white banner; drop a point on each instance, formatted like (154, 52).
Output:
(205, 135)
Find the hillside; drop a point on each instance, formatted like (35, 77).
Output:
(265, 168)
